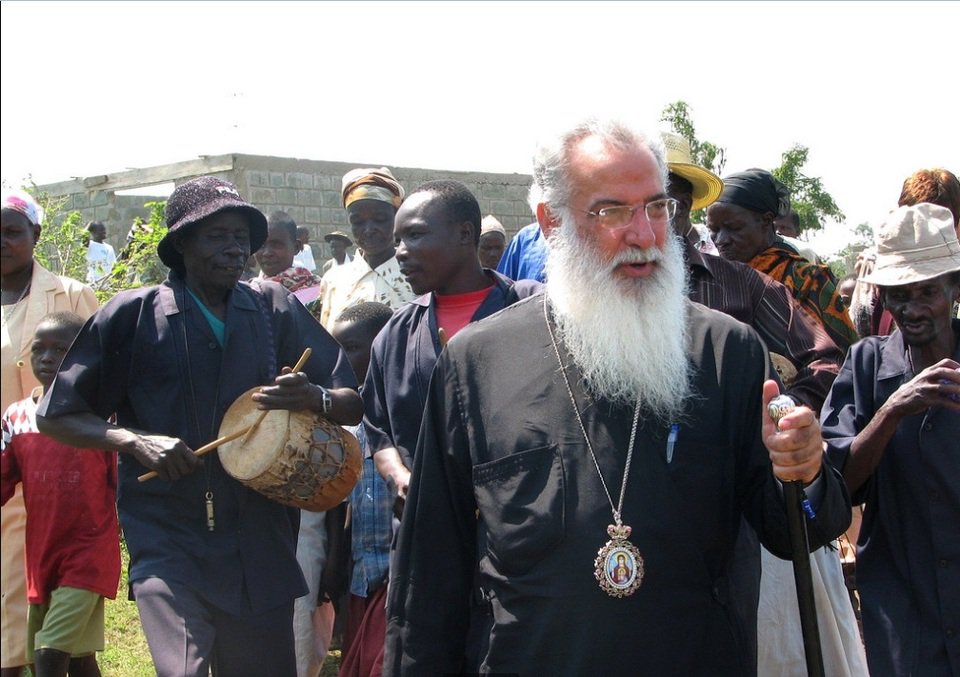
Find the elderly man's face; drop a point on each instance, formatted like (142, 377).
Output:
(216, 251)
(922, 309)
(491, 249)
(606, 177)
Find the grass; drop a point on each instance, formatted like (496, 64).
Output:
(126, 653)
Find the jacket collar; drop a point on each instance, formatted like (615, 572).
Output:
(502, 283)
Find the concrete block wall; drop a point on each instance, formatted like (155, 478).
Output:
(308, 190)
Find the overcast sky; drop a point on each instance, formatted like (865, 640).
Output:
(91, 88)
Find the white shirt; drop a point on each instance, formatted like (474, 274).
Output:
(356, 282)
(100, 260)
(304, 259)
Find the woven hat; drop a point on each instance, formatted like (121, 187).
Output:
(338, 235)
(914, 244)
(706, 185)
(199, 198)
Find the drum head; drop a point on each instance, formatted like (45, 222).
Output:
(246, 460)
(297, 458)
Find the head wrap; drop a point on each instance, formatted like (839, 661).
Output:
(371, 184)
(490, 224)
(23, 202)
(756, 189)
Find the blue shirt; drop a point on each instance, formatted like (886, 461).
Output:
(371, 510)
(526, 255)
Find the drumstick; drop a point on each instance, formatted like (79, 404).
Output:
(205, 449)
(263, 414)
(443, 337)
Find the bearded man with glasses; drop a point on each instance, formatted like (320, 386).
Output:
(586, 454)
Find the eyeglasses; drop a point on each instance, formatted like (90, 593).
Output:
(620, 216)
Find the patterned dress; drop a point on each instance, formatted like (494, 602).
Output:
(813, 285)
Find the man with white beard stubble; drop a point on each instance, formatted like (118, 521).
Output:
(593, 448)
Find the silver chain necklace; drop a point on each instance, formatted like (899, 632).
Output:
(618, 566)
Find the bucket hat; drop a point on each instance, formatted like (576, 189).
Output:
(197, 199)
(914, 244)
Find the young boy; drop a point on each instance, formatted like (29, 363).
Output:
(73, 540)
(371, 516)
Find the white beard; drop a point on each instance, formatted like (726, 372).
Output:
(627, 336)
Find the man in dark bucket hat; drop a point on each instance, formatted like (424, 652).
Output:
(212, 563)
(194, 201)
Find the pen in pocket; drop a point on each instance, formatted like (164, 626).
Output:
(672, 440)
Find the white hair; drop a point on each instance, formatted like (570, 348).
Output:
(551, 180)
(627, 336)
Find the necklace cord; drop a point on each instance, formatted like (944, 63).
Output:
(576, 410)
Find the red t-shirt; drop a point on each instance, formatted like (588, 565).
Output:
(73, 538)
(454, 311)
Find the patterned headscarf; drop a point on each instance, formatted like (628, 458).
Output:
(23, 202)
(371, 184)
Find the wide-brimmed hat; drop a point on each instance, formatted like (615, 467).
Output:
(706, 185)
(914, 244)
(338, 235)
(195, 200)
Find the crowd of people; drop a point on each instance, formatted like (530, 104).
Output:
(570, 465)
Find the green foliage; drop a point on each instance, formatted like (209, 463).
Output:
(62, 248)
(843, 262)
(808, 198)
(705, 153)
(137, 263)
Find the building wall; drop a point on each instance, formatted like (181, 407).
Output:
(309, 190)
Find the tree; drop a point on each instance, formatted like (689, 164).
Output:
(704, 153)
(62, 247)
(808, 198)
(843, 262)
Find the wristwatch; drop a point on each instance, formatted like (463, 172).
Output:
(327, 400)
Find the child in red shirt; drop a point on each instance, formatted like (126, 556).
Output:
(72, 535)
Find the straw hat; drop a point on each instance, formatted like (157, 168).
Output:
(914, 244)
(707, 186)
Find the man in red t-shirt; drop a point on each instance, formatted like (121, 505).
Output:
(438, 231)
(72, 539)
